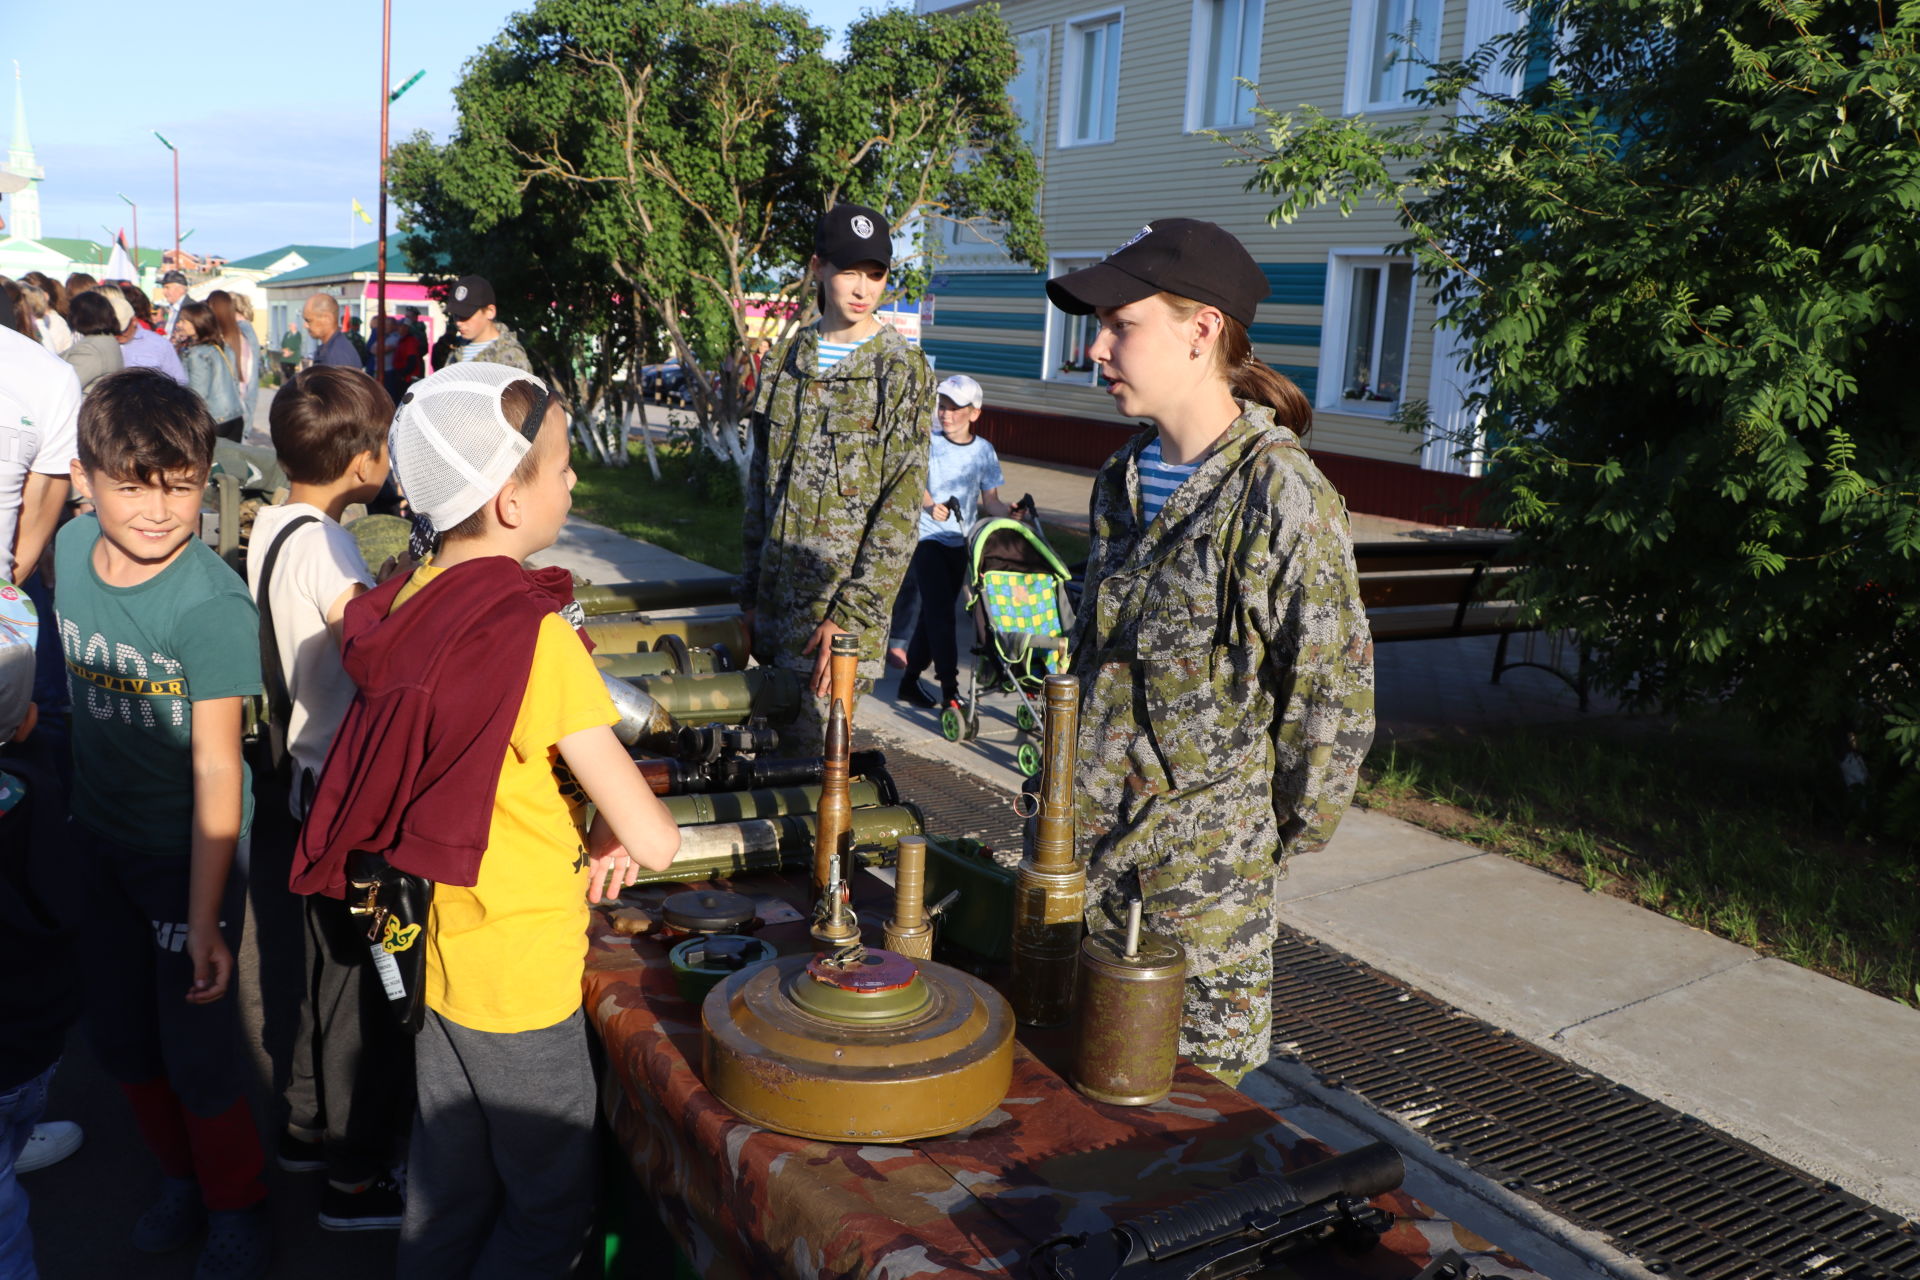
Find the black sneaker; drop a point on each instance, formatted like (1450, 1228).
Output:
(915, 694)
(376, 1207)
(297, 1155)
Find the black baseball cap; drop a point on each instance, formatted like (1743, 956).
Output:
(468, 295)
(1182, 256)
(850, 233)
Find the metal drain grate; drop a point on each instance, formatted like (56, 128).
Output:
(955, 803)
(1686, 1199)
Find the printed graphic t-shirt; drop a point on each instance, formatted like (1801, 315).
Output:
(508, 953)
(138, 658)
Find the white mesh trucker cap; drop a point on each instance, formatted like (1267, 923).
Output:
(451, 446)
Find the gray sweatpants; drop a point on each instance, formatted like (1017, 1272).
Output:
(500, 1175)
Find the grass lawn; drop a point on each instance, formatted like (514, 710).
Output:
(1711, 823)
(675, 512)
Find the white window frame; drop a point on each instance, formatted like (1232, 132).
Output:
(1202, 40)
(1071, 73)
(1341, 264)
(1059, 324)
(1452, 423)
(1360, 46)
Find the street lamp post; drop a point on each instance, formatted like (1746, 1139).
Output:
(176, 195)
(386, 100)
(136, 234)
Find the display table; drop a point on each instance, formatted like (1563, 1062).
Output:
(742, 1201)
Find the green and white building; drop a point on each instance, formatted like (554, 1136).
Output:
(1116, 96)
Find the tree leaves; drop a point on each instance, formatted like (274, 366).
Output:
(1685, 267)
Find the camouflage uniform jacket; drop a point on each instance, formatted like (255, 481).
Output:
(833, 496)
(1226, 670)
(506, 349)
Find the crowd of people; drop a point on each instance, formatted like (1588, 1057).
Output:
(450, 833)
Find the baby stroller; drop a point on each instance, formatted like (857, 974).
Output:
(1017, 589)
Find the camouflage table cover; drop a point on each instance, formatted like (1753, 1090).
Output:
(743, 1201)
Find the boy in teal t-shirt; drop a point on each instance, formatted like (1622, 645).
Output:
(162, 645)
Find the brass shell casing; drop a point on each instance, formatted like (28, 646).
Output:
(935, 1070)
(834, 923)
(909, 932)
(1126, 1018)
(1049, 896)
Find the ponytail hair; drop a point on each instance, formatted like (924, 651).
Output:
(1248, 376)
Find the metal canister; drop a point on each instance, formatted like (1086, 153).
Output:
(1126, 1015)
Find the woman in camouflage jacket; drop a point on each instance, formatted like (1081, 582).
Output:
(1225, 663)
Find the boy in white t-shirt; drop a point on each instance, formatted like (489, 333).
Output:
(350, 1092)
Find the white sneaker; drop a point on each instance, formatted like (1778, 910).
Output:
(51, 1143)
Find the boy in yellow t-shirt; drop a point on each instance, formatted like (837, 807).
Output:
(480, 731)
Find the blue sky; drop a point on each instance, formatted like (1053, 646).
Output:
(276, 113)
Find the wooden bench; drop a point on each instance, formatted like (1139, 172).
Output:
(1447, 587)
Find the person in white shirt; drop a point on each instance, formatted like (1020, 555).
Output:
(39, 417)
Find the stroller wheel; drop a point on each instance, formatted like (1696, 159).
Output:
(953, 725)
(1024, 718)
(1028, 759)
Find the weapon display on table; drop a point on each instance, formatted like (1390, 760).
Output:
(728, 631)
(740, 773)
(1239, 1230)
(767, 802)
(661, 593)
(716, 849)
(771, 694)
(643, 722)
(673, 660)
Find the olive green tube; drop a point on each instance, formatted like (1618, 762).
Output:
(767, 802)
(769, 844)
(728, 697)
(1050, 890)
(639, 634)
(662, 593)
(656, 663)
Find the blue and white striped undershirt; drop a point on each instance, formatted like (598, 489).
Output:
(1159, 479)
(831, 354)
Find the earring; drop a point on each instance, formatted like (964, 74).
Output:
(1193, 353)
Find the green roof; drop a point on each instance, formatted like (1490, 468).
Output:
(349, 262)
(261, 261)
(96, 251)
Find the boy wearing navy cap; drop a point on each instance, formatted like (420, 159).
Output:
(475, 315)
(839, 465)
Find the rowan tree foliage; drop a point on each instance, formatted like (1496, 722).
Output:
(1685, 258)
(671, 157)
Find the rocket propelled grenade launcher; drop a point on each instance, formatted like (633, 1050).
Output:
(1049, 903)
(1243, 1229)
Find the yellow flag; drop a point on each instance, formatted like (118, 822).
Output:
(363, 213)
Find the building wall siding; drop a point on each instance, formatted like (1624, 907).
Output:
(993, 324)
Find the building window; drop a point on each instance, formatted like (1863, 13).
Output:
(1226, 50)
(1092, 82)
(1391, 40)
(1368, 328)
(1069, 337)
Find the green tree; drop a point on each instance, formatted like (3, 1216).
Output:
(1685, 266)
(670, 157)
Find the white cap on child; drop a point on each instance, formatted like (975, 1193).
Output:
(452, 448)
(962, 390)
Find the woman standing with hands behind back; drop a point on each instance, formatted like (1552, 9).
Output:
(1225, 664)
